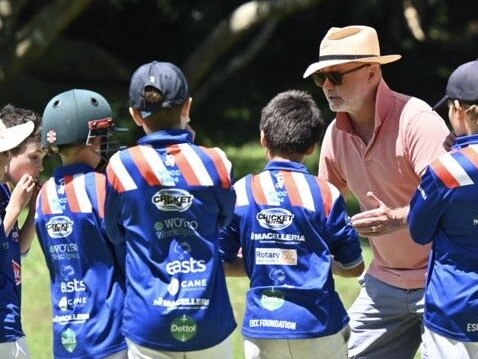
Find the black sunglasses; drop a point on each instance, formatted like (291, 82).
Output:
(335, 77)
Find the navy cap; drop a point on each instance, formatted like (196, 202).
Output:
(462, 85)
(163, 76)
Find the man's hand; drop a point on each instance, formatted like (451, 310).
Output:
(380, 220)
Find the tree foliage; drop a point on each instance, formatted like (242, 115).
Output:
(236, 54)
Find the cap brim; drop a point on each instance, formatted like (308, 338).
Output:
(440, 103)
(16, 135)
(317, 66)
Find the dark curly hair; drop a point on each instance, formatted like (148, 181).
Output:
(291, 122)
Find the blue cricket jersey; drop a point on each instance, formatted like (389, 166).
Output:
(444, 211)
(86, 270)
(288, 223)
(167, 198)
(10, 276)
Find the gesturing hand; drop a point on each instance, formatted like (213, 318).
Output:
(379, 220)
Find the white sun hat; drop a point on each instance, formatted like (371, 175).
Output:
(11, 137)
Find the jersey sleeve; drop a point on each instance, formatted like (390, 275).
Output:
(230, 236)
(111, 222)
(426, 207)
(342, 237)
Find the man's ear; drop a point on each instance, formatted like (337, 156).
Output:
(136, 116)
(374, 72)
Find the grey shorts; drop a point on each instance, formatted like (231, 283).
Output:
(385, 321)
(330, 347)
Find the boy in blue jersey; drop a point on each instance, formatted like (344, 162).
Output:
(12, 338)
(24, 167)
(87, 281)
(292, 230)
(167, 198)
(444, 212)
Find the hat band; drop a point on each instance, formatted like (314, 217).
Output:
(344, 57)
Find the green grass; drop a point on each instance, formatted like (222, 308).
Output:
(36, 307)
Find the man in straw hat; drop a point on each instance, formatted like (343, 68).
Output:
(376, 149)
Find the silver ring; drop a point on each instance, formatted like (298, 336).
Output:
(374, 229)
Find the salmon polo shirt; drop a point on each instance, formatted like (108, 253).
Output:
(407, 136)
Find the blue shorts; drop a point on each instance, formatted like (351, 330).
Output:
(385, 321)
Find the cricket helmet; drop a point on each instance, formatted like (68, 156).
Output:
(77, 117)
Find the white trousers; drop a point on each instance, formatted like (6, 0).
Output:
(329, 347)
(222, 350)
(15, 350)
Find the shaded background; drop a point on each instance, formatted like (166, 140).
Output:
(99, 46)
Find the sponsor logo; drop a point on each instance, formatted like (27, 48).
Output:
(277, 276)
(71, 318)
(275, 218)
(17, 272)
(266, 256)
(67, 271)
(69, 303)
(277, 237)
(422, 192)
(72, 286)
(59, 204)
(68, 340)
(182, 303)
(183, 328)
(472, 327)
(174, 227)
(272, 299)
(59, 227)
(187, 266)
(272, 323)
(64, 251)
(172, 199)
(186, 285)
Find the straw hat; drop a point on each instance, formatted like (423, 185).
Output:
(354, 43)
(11, 137)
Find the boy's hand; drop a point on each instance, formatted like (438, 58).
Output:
(22, 193)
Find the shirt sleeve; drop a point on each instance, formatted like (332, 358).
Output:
(423, 126)
(328, 170)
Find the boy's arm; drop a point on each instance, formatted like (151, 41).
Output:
(27, 231)
(355, 270)
(230, 249)
(342, 238)
(235, 268)
(19, 199)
